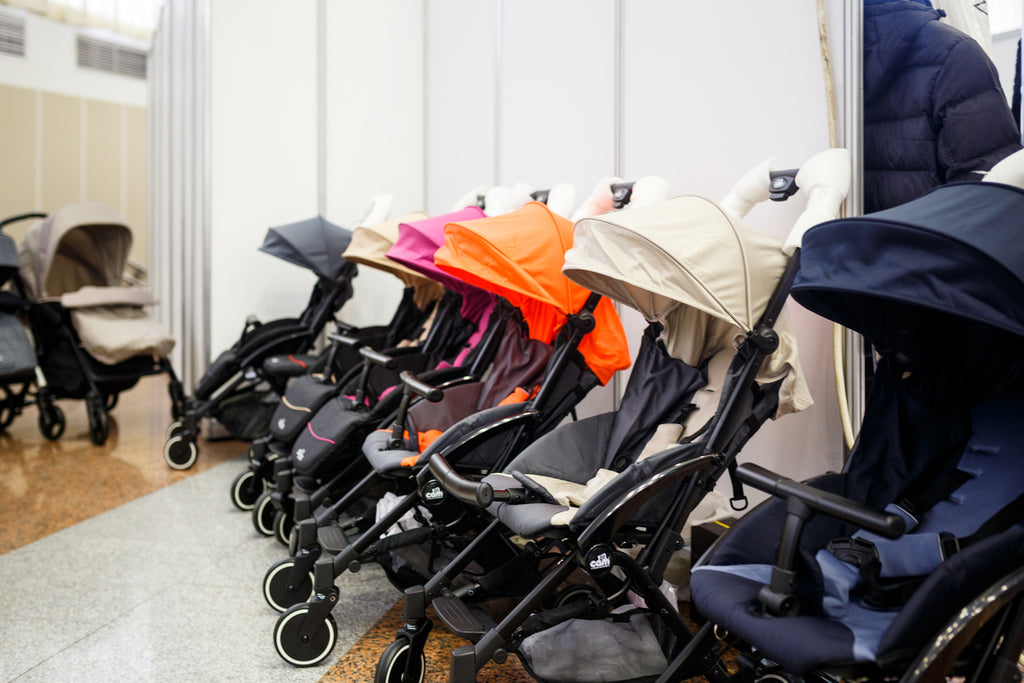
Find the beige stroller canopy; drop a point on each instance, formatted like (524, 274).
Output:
(704, 276)
(78, 245)
(370, 245)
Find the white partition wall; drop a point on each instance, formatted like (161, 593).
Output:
(262, 156)
(374, 140)
(708, 93)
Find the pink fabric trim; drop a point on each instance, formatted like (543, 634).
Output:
(318, 438)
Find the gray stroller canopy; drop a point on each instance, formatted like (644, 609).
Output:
(315, 244)
(78, 245)
(703, 275)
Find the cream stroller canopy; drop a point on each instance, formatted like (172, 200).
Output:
(370, 245)
(78, 245)
(704, 275)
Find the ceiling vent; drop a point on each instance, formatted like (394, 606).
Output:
(94, 53)
(12, 35)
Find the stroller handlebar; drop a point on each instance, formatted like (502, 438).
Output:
(882, 523)
(378, 358)
(419, 387)
(465, 490)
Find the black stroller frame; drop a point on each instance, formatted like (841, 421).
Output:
(305, 633)
(689, 469)
(354, 358)
(287, 502)
(257, 343)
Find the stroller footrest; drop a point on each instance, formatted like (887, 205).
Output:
(332, 539)
(460, 619)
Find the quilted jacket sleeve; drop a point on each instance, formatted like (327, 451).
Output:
(975, 128)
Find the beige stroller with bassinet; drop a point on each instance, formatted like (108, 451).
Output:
(95, 336)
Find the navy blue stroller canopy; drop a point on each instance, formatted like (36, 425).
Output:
(956, 251)
(314, 244)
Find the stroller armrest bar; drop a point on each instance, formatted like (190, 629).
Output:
(421, 388)
(881, 523)
(378, 358)
(345, 340)
(469, 492)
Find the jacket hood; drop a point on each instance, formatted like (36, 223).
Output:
(890, 28)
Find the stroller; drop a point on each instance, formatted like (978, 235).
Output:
(614, 490)
(410, 326)
(17, 357)
(341, 422)
(241, 387)
(907, 565)
(94, 336)
(575, 342)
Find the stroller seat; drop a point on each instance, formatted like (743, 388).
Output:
(568, 468)
(845, 619)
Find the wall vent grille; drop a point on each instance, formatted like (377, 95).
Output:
(12, 35)
(106, 56)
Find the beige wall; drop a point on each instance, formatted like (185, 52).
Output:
(59, 149)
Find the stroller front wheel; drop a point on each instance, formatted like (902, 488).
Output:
(391, 667)
(263, 513)
(303, 650)
(246, 490)
(51, 420)
(283, 524)
(180, 454)
(277, 591)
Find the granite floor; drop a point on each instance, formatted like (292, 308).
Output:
(115, 567)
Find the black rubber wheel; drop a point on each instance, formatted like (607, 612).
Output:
(263, 514)
(99, 426)
(283, 524)
(51, 421)
(246, 490)
(110, 401)
(174, 429)
(278, 593)
(180, 454)
(577, 592)
(8, 403)
(392, 663)
(299, 651)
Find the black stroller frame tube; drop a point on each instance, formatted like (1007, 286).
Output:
(357, 548)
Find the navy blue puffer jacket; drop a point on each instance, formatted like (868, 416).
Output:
(934, 111)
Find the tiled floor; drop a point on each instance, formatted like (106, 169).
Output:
(115, 567)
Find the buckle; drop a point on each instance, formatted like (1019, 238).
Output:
(948, 544)
(855, 551)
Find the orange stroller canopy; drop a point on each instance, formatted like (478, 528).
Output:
(519, 256)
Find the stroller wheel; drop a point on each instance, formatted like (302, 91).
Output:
(391, 665)
(110, 400)
(180, 454)
(283, 524)
(51, 421)
(99, 426)
(263, 514)
(8, 405)
(246, 490)
(297, 649)
(174, 429)
(279, 593)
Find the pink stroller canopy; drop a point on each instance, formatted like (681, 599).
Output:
(419, 240)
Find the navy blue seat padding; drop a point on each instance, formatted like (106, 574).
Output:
(725, 588)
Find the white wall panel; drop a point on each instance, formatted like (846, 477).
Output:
(374, 127)
(556, 108)
(263, 156)
(460, 97)
(707, 95)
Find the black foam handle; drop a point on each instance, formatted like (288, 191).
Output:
(469, 492)
(421, 388)
(882, 523)
(345, 340)
(381, 359)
